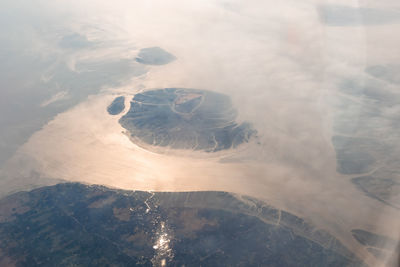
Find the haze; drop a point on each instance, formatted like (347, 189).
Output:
(299, 72)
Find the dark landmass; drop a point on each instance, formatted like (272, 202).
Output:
(154, 56)
(371, 92)
(353, 155)
(367, 107)
(117, 106)
(185, 119)
(353, 117)
(338, 15)
(389, 73)
(79, 225)
(382, 247)
(384, 190)
(366, 124)
(373, 240)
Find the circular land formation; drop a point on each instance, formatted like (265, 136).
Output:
(185, 119)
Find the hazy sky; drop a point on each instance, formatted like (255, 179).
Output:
(300, 71)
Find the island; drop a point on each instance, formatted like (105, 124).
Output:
(117, 106)
(182, 118)
(154, 56)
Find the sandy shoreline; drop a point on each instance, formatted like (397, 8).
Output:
(86, 144)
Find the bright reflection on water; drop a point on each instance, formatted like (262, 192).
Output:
(163, 251)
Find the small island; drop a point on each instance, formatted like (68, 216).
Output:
(353, 154)
(381, 247)
(384, 190)
(154, 56)
(117, 106)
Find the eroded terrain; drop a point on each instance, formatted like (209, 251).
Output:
(75, 224)
(185, 119)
